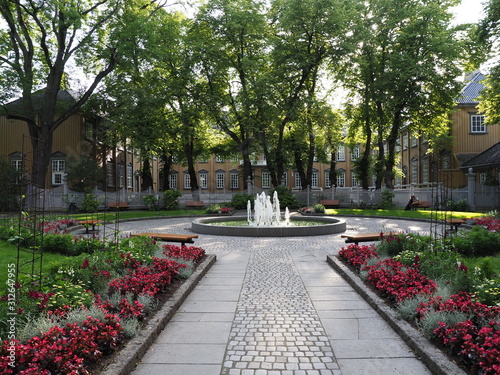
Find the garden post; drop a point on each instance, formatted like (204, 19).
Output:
(471, 189)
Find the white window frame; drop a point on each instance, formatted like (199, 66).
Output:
(130, 172)
(414, 171)
(340, 153)
(17, 164)
(314, 180)
(173, 180)
(477, 125)
(220, 180)
(354, 180)
(413, 141)
(219, 159)
(425, 171)
(89, 130)
(405, 141)
(234, 180)
(284, 179)
(266, 180)
(327, 179)
(58, 171)
(121, 175)
(110, 174)
(355, 153)
(187, 181)
(203, 176)
(296, 180)
(340, 178)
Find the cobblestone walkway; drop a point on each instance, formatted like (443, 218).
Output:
(276, 326)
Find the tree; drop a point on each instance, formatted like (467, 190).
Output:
(39, 44)
(488, 34)
(404, 75)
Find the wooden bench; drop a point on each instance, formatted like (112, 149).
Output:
(422, 204)
(330, 202)
(88, 223)
(195, 204)
(118, 205)
(356, 238)
(455, 223)
(167, 237)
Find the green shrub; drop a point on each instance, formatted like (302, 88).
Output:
(394, 244)
(387, 196)
(215, 209)
(319, 208)
(152, 202)
(286, 197)
(171, 198)
(240, 200)
(89, 203)
(478, 241)
(58, 243)
(460, 205)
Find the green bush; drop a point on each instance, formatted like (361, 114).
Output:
(58, 243)
(319, 208)
(240, 200)
(478, 241)
(152, 202)
(394, 244)
(387, 196)
(460, 205)
(171, 198)
(89, 203)
(215, 209)
(286, 197)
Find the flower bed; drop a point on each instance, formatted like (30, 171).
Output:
(475, 340)
(130, 275)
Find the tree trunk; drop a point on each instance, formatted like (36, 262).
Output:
(147, 178)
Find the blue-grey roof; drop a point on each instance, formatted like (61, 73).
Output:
(472, 89)
(487, 158)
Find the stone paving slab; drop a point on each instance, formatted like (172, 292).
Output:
(288, 312)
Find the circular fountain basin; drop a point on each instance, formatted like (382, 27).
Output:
(215, 225)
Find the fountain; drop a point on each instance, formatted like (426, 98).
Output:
(267, 221)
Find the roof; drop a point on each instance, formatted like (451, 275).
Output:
(487, 158)
(473, 88)
(64, 99)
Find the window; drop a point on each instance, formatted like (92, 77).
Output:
(482, 178)
(414, 171)
(220, 180)
(173, 181)
(17, 164)
(89, 130)
(187, 181)
(405, 141)
(130, 170)
(413, 141)
(327, 179)
(203, 180)
(121, 174)
(341, 153)
(477, 124)
(314, 179)
(234, 180)
(110, 174)
(161, 185)
(58, 167)
(341, 178)
(219, 159)
(298, 183)
(266, 180)
(445, 162)
(354, 180)
(284, 179)
(355, 153)
(425, 171)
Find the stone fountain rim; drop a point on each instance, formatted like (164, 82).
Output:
(331, 226)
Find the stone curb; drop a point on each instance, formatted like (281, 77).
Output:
(127, 358)
(437, 362)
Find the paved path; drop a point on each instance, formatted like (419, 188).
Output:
(273, 306)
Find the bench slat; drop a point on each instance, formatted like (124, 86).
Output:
(182, 238)
(365, 237)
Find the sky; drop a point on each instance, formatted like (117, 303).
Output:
(469, 11)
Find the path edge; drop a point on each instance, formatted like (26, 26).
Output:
(127, 358)
(437, 362)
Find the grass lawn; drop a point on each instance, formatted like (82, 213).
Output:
(110, 216)
(9, 256)
(401, 213)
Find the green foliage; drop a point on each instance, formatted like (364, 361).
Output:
(477, 242)
(240, 200)
(286, 197)
(319, 208)
(152, 202)
(67, 292)
(171, 199)
(214, 209)
(394, 244)
(84, 173)
(387, 196)
(58, 243)
(460, 205)
(430, 321)
(89, 203)
(9, 187)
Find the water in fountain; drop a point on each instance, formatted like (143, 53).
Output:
(267, 213)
